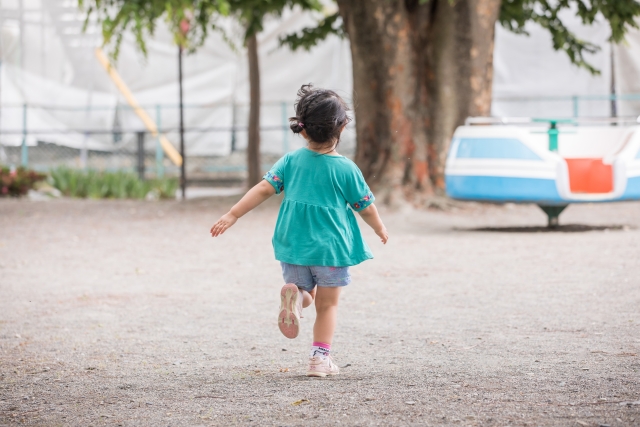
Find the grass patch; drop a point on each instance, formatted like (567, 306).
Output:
(110, 185)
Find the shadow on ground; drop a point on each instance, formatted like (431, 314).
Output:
(567, 228)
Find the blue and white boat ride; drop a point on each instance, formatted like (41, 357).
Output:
(549, 162)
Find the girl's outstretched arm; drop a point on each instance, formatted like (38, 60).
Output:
(371, 217)
(258, 194)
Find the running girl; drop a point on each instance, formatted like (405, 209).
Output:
(317, 236)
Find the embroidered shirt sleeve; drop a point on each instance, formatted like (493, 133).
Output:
(364, 202)
(274, 180)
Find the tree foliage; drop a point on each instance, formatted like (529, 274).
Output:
(309, 37)
(140, 17)
(620, 14)
(251, 13)
(514, 15)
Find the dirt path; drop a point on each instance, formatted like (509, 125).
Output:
(128, 313)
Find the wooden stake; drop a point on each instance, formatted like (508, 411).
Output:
(167, 147)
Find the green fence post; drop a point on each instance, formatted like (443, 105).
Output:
(575, 106)
(553, 130)
(159, 151)
(553, 136)
(285, 128)
(24, 150)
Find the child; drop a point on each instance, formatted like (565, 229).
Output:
(317, 237)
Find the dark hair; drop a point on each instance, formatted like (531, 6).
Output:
(321, 112)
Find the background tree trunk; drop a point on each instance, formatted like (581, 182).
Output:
(458, 54)
(391, 148)
(419, 71)
(253, 147)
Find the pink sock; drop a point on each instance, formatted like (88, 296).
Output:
(321, 349)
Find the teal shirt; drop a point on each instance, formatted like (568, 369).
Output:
(316, 224)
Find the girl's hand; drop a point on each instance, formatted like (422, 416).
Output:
(223, 223)
(384, 236)
(258, 194)
(371, 217)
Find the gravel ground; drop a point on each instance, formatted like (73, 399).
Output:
(129, 314)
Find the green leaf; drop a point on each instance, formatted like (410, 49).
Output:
(621, 15)
(309, 37)
(140, 18)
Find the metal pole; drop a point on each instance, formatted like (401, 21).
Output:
(575, 106)
(159, 152)
(233, 127)
(614, 106)
(84, 152)
(141, 155)
(183, 174)
(2, 154)
(553, 136)
(24, 150)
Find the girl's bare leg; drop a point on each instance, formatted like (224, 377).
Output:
(326, 314)
(308, 297)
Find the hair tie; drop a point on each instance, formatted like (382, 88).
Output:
(301, 124)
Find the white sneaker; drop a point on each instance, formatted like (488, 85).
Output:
(290, 309)
(321, 367)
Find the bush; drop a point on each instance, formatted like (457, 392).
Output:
(18, 182)
(110, 185)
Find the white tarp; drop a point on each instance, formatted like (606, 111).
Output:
(56, 68)
(527, 68)
(215, 84)
(627, 73)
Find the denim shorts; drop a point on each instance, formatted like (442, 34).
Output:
(307, 277)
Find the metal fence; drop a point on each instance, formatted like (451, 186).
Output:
(47, 155)
(140, 153)
(112, 138)
(585, 106)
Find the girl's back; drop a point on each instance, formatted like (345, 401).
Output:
(316, 225)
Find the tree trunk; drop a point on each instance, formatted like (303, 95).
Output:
(458, 52)
(253, 146)
(419, 71)
(391, 148)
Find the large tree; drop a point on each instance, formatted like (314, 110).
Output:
(140, 17)
(421, 67)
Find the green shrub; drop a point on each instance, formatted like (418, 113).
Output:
(18, 182)
(110, 185)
